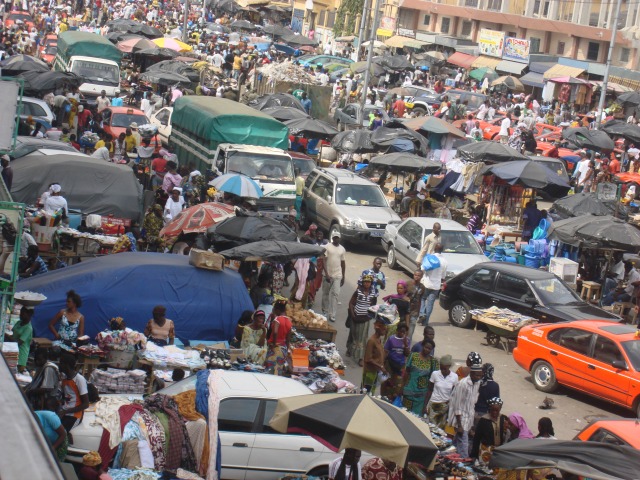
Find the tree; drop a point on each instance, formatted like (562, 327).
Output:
(346, 17)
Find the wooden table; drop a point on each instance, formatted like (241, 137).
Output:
(514, 235)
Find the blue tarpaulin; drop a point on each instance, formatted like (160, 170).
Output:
(204, 305)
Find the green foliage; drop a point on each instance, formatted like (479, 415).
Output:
(346, 17)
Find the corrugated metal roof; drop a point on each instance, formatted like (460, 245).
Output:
(540, 67)
(511, 67)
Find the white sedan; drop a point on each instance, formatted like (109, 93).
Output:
(251, 450)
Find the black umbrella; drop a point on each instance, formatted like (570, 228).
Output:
(217, 28)
(596, 460)
(299, 40)
(115, 37)
(591, 139)
(229, 6)
(38, 83)
(311, 128)
(276, 100)
(176, 66)
(164, 77)
(273, 251)
(285, 113)
(406, 161)
(242, 25)
(395, 62)
(532, 175)
(241, 230)
(17, 64)
(360, 67)
(278, 31)
(627, 130)
(629, 99)
(158, 52)
(596, 232)
(489, 152)
(581, 204)
(387, 136)
(131, 26)
(353, 141)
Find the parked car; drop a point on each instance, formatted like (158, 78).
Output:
(19, 17)
(340, 200)
(599, 358)
(403, 242)
(525, 290)
(622, 432)
(162, 120)
(352, 115)
(116, 120)
(250, 448)
(35, 107)
(26, 145)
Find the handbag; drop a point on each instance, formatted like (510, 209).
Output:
(348, 323)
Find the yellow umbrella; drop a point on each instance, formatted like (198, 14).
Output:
(172, 44)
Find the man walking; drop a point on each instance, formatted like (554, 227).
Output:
(430, 242)
(462, 408)
(334, 268)
(432, 281)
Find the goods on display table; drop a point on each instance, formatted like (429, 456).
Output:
(172, 356)
(10, 353)
(311, 324)
(503, 324)
(325, 380)
(121, 346)
(114, 380)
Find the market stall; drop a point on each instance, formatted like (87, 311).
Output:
(503, 324)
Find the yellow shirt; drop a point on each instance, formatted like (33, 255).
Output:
(63, 27)
(237, 63)
(99, 144)
(299, 186)
(130, 142)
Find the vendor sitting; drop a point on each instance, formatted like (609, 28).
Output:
(159, 329)
(34, 264)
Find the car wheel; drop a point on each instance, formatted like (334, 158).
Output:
(637, 407)
(392, 263)
(334, 228)
(320, 472)
(420, 110)
(543, 376)
(459, 314)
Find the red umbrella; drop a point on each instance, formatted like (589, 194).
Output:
(197, 219)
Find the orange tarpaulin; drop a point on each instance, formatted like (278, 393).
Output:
(629, 177)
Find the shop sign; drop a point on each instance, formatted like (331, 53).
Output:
(491, 42)
(405, 32)
(516, 49)
(387, 23)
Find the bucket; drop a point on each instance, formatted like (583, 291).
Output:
(74, 218)
(520, 259)
(532, 261)
(510, 259)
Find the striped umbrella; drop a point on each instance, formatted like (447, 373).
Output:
(363, 422)
(197, 219)
(237, 184)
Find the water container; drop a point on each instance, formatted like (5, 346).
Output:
(75, 218)
(520, 259)
(532, 261)
(510, 259)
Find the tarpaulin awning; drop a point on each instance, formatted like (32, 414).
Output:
(611, 86)
(460, 59)
(416, 43)
(533, 79)
(511, 67)
(562, 70)
(540, 67)
(398, 41)
(486, 61)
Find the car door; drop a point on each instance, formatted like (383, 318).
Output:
(322, 191)
(513, 293)
(476, 288)
(350, 115)
(236, 423)
(608, 381)
(569, 354)
(276, 454)
(410, 232)
(162, 120)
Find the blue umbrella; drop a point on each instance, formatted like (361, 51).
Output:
(237, 184)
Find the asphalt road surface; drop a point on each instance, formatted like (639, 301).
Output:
(571, 411)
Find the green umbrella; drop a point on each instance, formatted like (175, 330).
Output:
(480, 73)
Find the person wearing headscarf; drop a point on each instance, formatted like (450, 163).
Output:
(254, 337)
(473, 358)
(55, 201)
(401, 300)
(279, 339)
(192, 188)
(397, 349)
(175, 204)
(491, 431)
(151, 227)
(358, 320)
(91, 467)
(518, 427)
(488, 389)
(417, 372)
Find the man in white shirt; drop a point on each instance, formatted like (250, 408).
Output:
(580, 169)
(430, 242)
(629, 292)
(334, 272)
(102, 101)
(482, 111)
(432, 281)
(504, 128)
(102, 153)
(55, 201)
(217, 59)
(174, 205)
(350, 459)
(462, 408)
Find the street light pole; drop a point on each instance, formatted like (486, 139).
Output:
(363, 22)
(605, 80)
(185, 35)
(367, 72)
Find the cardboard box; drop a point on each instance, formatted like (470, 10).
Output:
(206, 259)
(311, 333)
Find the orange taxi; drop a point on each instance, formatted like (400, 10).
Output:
(116, 120)
(596, 357)
(621, 432)
(19, 17)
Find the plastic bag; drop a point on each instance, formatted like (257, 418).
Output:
(430, 262)
(540, 232)
(398, 401)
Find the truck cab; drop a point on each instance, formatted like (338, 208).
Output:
(272, 168)
(97, 75)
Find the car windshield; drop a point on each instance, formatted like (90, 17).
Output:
(183, 385)
(553, 292)
(123, 120)
(20, 16)
(363, 195)
(94, 72)
(272, 168)
(305, 166)
(457, 241)
(51, 50)
(632, 349)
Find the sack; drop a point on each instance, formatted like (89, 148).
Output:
(430, 262)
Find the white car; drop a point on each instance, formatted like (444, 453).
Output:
(403, 242)
(162, 120)
(35, 107)
(251, 450)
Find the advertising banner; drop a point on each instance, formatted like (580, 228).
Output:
(516, 49)
(491, 42)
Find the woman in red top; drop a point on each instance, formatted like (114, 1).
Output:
(278, 353)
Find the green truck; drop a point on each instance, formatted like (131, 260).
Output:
(215, 133)
(93, 58)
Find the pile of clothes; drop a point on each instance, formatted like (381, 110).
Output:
(126, 339)
(172, 356)
(325, 380)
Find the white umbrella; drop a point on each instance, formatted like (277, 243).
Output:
(376, 44)
(237, 184)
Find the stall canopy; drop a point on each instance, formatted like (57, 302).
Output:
(89, 185)
(485, 61)
(533, 79)
(205, 305)
(397, 41)
(563, 70)
(460, 59)
(508, 66)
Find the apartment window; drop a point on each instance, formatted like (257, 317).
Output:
(471, 3)
(426, 20)
(593, 51)
(323, 13)
(495, 5)
(512, 34)
(445, 25)
(466, 28)
(624, 54)
(534, 45)
(560, 49)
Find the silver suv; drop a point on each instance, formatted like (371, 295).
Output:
(340, 200)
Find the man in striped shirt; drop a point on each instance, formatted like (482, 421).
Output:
(462, 408)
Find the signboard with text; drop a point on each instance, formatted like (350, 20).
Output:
(491, 42)
(388, 23)
(516, 49)
(405, 32)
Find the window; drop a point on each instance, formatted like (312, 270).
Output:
(362, 195)
(471, 3)
(426, 20)
(444, 26)
(632, 349)
(534, 45)
(605, 436)
(411, 232)
(560, 48)
(269, 410)
(593, 51)
(495, 5)
(323, 188)
(331, 18)
(482, 279)
(322, 17)
(33, 109)
(163, 116)
(466, 28)
(624, 54)
(573, 339)
(513, 287)
(606, 351)
(350, 110)
(312, 176)
(512, 34)
(552, 291)
(238, 414)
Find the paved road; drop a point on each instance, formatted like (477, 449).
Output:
(572, 410)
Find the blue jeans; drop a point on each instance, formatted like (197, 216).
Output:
(428, 299)
(613, 297)
(461, 442)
